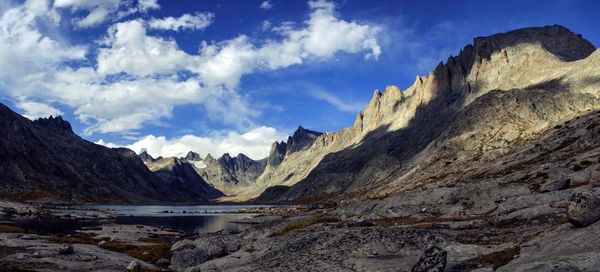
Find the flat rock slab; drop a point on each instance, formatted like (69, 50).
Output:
(36, 252)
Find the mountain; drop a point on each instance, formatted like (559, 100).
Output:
(44, 161)
(236, 176)
(498, 94)
(230, 174)
(184, 174)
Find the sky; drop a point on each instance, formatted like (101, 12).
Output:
(217, 76)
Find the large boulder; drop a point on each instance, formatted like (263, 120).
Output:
(189, 253)
(584, 208)
(433, 260)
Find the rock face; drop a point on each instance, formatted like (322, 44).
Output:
(44, 160)
(497, 94)
(584, 208)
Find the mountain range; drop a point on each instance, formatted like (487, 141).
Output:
(498, 95)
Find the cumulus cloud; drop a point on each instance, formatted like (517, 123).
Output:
(136, 77)
(26, 54)
(34, 110)
(266, 5)
(145, 5)
(131, 51)
(100, 11)
(197, 21)
(254, 143)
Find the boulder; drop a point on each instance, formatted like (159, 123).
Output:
(555, 185)
(134, 266)
(433, 260)
(584, 208)
(65, 249)
(163, 262)
(188, 253)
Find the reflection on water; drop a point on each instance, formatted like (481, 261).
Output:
(52, 224)
(195, 219)
(189, 224)
(156, 210)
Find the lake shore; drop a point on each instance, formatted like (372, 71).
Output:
(35, 237)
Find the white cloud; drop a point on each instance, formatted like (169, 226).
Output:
(254, 143)
(197, 21)
(266, 25)
(131, 51)
(26, 54)
(336, 101)
(100, 11)
(34, 110)
(145, 5)
(138, 77)
(266, 5)
(322, 36)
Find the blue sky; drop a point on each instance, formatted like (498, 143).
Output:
(233, 76)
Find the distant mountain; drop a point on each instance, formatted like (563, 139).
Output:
(230, 174)
(237, 175)
(44, 161)
(184, 173)
(193, 156)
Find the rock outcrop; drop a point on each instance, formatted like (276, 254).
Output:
(44, 160)
(584, 208)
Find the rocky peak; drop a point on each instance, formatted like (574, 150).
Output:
(277, 153)
(55, 123)
(209, 158)
(301, 139)
(557, 39)
(146, 157)
(193, 156)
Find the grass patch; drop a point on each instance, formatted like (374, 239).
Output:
(11, 229)
(60, 239)
(500, 258)
(147, 253)
(409, 220)
(305, 223)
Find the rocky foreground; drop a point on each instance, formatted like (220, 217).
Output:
(535, 209)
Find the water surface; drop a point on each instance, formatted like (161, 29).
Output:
(190, 219)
